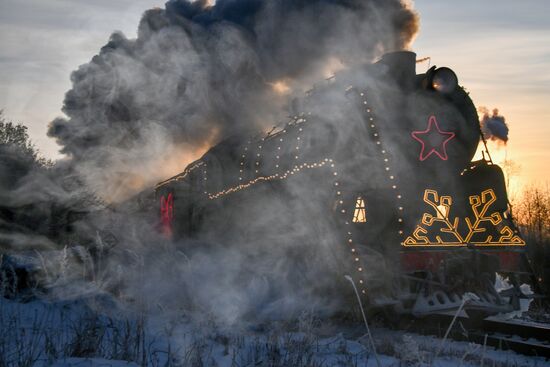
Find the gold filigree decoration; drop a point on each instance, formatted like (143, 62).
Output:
(439, 229)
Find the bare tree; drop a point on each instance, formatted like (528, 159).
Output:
(15, 141)
(533, 213)
(532, 210)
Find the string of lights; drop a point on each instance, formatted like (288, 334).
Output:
(243, 158)
(258, 157)
(181, 176)
(300, 167)
(484, 219)
(276, 176)
(385, 157)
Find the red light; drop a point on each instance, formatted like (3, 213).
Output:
(433, 140)
(167, 214)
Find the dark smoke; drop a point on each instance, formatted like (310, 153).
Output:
(494, 126)
(142, 109)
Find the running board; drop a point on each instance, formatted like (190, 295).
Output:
(441, 302)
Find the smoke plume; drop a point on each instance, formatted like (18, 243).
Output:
(143, 108)
(494, 126)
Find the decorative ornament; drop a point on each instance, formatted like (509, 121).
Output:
(433, 140)
(439, 229)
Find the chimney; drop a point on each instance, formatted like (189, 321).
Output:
(401, 67)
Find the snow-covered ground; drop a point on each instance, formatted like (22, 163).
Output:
(98, 332)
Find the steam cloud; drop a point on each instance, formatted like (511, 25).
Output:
(494, 126)
(142, 109)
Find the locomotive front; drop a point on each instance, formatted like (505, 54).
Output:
(374, 175)
(452, 215)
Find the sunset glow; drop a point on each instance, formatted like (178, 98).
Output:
(281, 87)
(500, 54)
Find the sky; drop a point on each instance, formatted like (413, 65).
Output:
(500, 51)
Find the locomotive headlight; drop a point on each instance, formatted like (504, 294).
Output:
(444, 80)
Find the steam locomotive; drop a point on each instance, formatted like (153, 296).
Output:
(374, 175)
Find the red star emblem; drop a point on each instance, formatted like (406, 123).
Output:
(433, 140)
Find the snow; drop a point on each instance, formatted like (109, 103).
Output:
(93, 362)
(101, 332)
(502, 284)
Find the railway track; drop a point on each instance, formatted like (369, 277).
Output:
(531, 330)
(527, 339)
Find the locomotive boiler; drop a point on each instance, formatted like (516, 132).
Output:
(373, 174)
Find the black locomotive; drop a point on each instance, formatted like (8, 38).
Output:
(374, 175)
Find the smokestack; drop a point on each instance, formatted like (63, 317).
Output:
(401, 67)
